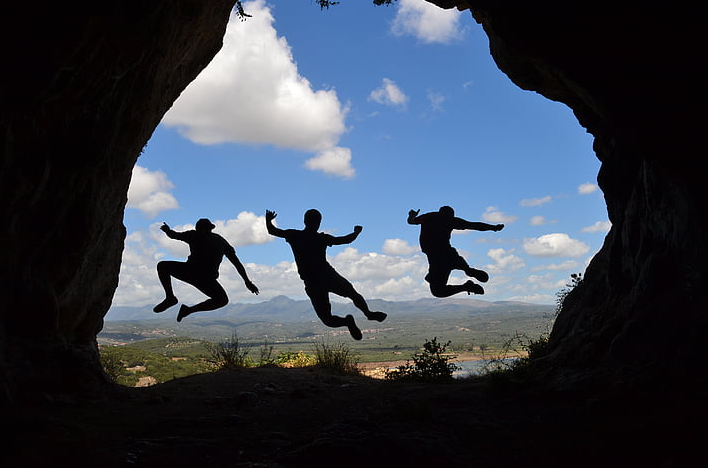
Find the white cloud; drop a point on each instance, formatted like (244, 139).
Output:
(427, 22)
(246, 229)
(587, 188)
(555, 245)
(600, 226)
(334, 161)
(398, 247)
(505, 261)
(436, 100)
(538, 221)
(252, 93)
(149, 192)
(535, 201)
(492, 215)
(564, 266)
(389, 94)
(362, 266)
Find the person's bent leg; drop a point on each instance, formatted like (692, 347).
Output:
(360, 303)
(165, 271)
(323, 309)
(217, 299)
(342, 287)
(461, 264)
(447, 290)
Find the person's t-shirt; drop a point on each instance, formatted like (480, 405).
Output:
(435, 231)
(207, 249)
(310, 251)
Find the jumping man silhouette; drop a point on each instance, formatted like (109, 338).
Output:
(435, 230)
(201, 269)
(309, 249)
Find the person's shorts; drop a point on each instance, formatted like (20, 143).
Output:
(203, 281)
(441, 265)
(331, 282)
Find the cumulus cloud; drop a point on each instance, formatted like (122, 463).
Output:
(587, 188)
(427, 22)
(389, 94)
(555, 245)
(505, 261)
(492, 215)
(334, 161)
(398, 247)
(535, 201)
(252, 93)
(149, 192)
(600, 226)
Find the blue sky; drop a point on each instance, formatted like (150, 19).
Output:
(364, 113)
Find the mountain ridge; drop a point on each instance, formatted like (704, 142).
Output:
(285, 309)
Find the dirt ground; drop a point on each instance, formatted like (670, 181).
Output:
(275, 417)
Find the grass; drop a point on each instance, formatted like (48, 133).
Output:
(337, 358)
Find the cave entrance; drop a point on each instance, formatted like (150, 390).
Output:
(288, 118)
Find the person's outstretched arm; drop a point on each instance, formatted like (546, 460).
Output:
(231, 255)
(413, 217)
(477, 226)
(349, 238)
(170, 233)
(272, 230)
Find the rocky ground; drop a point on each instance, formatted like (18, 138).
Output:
(275, 417)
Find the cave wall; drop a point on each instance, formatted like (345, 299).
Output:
(82, 89)
(632, 77)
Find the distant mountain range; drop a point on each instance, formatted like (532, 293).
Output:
(284, 309)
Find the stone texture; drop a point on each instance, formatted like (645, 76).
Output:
(631, 77)
(82, 89)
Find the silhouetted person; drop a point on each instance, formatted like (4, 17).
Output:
(309, 249)
(435, 231)
(201, 269)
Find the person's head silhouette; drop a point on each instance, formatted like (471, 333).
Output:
(204, 225)
(312, 219)
(447, 211)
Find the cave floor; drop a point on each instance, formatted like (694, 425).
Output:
(274, 417)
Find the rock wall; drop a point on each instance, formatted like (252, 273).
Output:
(631, 76)
(83, 87)
(81, 91)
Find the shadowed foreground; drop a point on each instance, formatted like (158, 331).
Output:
(274, 417)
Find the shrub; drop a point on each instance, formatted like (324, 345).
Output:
(508, 364)
(431, 365)
(294, 359)
(227, 355)
(337, 358)
(575, 280)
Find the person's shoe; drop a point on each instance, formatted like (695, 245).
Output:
(353, 329)
(378, 316)
(479, 275)
(471, 287)
(183, 312)
(164, 305)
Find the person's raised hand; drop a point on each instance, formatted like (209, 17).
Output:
(357, 229)
(270, 215)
